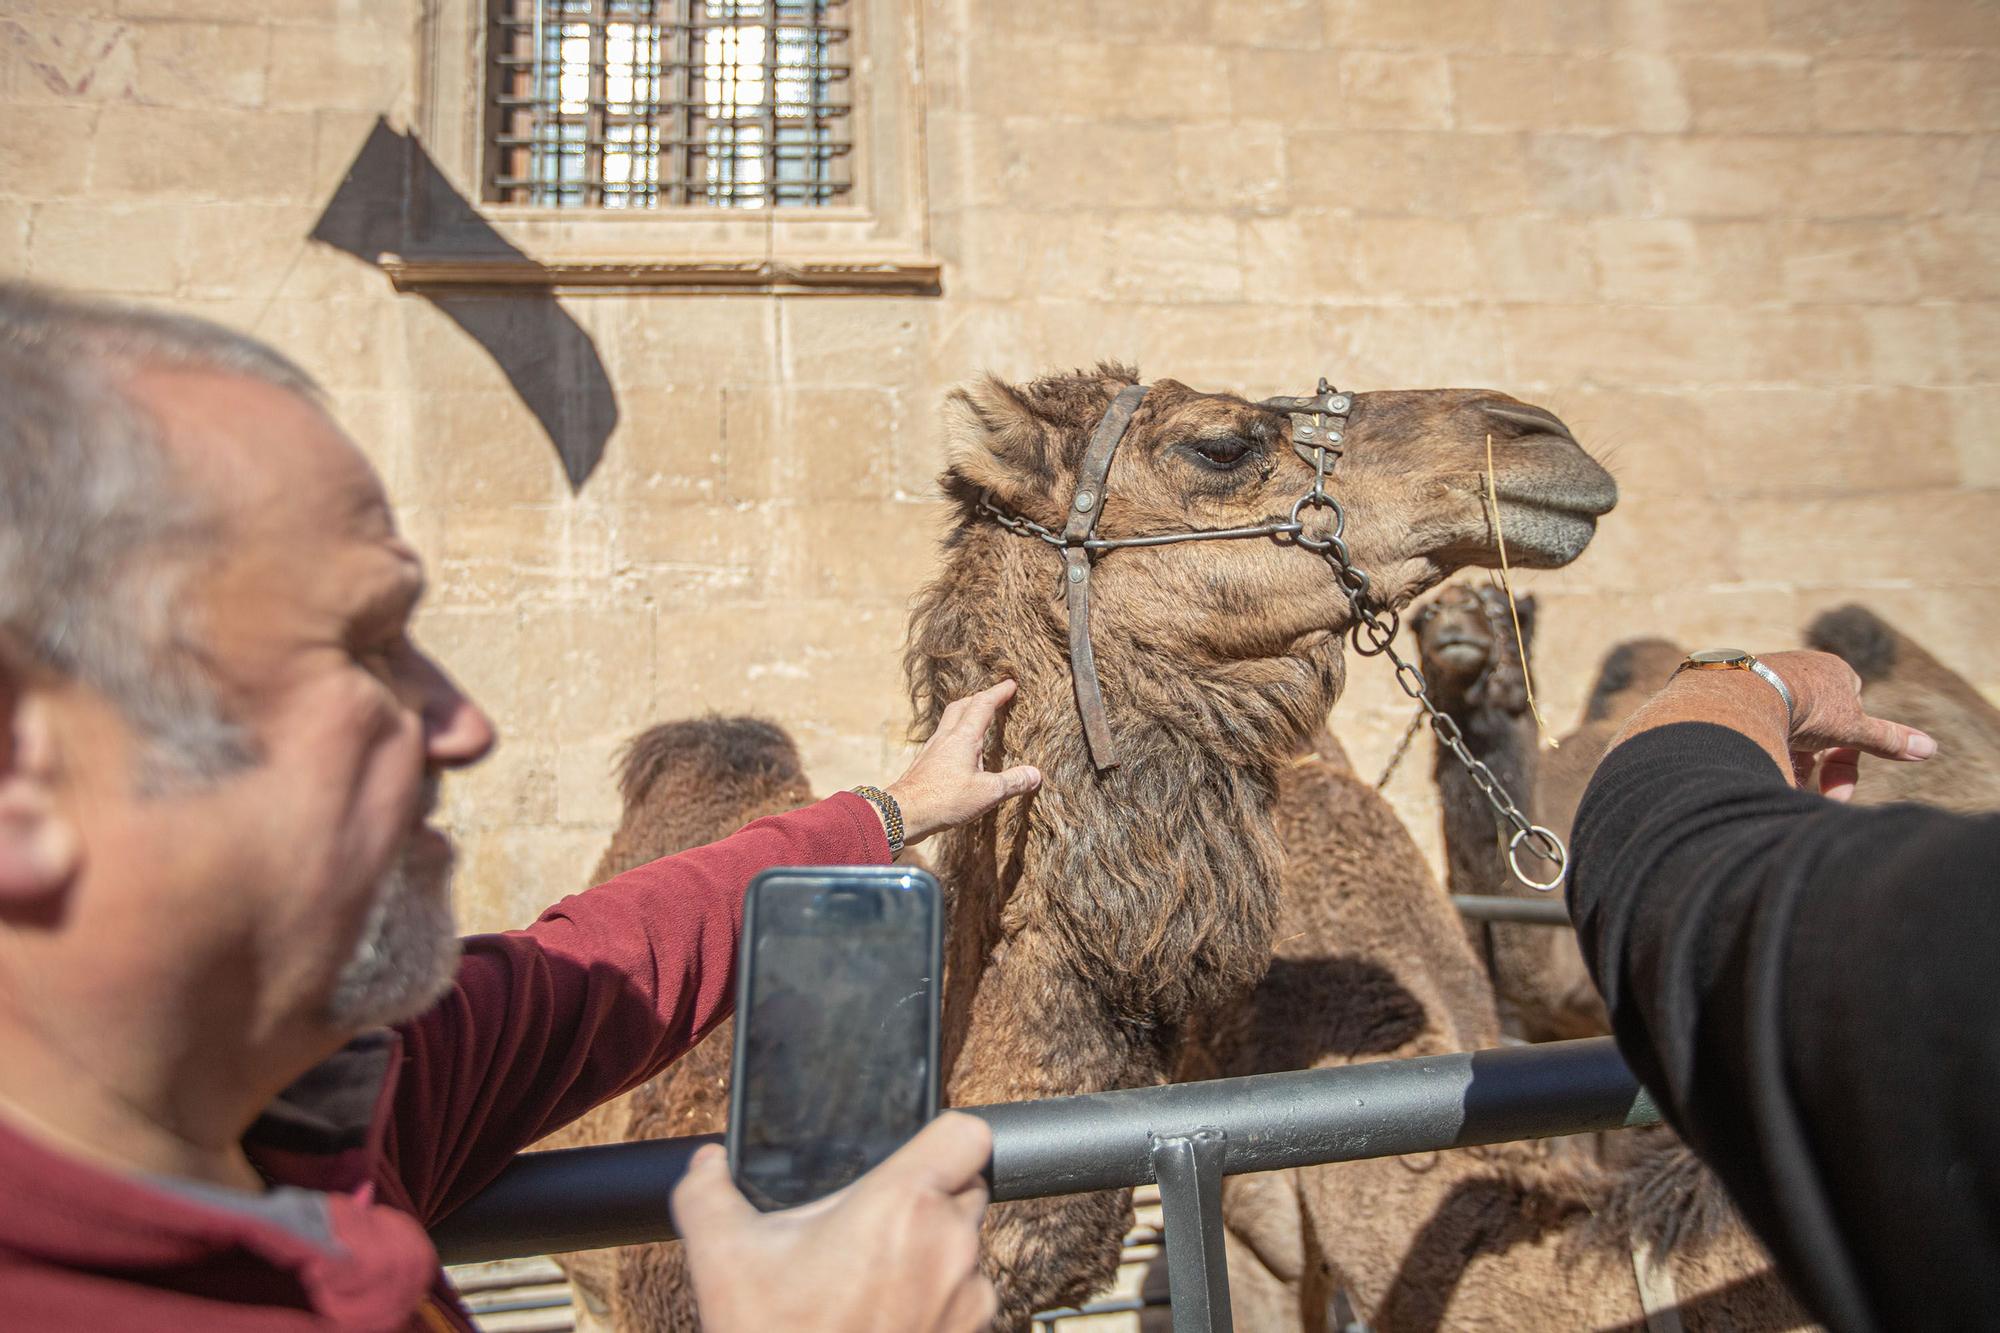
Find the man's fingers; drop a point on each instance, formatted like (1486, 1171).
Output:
(972, 1306)
(980, 708)
(1839, 769)
(706, 1198)
(948, 1155)
(1018, 781)
(1893, 740)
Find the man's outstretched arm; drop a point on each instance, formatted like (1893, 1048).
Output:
(1803, 985)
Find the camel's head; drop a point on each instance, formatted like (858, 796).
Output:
(1465, 638)
(1412, 477)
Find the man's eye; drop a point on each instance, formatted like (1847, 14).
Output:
(1222, 453)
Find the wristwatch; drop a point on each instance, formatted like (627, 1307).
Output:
(892, 815)
(1735, 659)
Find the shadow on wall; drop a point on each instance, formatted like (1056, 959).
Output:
(546, 355)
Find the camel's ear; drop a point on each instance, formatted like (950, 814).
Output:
(995, 441)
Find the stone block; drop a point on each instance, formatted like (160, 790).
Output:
(667, 449)
(1166, 257)
(1299, 89)
(1151, 20)
(1401, 174)
(66, 59)
(1951, 25)
(878, 341)
(1462, 24)
(203, 64)
(1235, 167)
(1845, 262)
(1654, 260)
(1058, 165)
(45, 151)
(1916, 538)
(1756, 93)
(1739, 260)
(385, 17)
(1690, 25)
(1913, 344)
(1886, 175)
(1568, 93)
(1823, 344)
(482, 450)
(1626, 346)
(480, 648)
(1102, 81)
(1414, 258)
(259, 250)
(1975, 438)
(840, 444)
(1272, 23)
(1535, 259)
(1419, 347)
(1902, 96)
(859, 553)
(117, 251)
(1839, 27)
(509, 876)
(339, 67)
(586, 669)
(1586, 173)
(1258, 350)
(1385, 90)
(1725, 176)
(207, 154)
(684, 340)
(342, 344)
(1978, 340)
(845, 659)
(1625, 554)
(586, 784)
(1957, 258)
(1799, 442)
(696, 555)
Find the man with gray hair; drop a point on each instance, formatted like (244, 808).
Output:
(218, 885)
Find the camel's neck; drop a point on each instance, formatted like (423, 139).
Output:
(1155, 883)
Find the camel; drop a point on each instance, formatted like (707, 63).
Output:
(1370, 963)
(684, 784)
(1093, 924)
(1900, 680)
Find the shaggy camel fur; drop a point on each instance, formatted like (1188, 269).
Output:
(1465, 639)
(1371, 964)
(1900, 680)
(685, 784)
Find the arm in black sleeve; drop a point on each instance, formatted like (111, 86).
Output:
(1809, 989)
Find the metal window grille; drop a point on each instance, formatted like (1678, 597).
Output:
(670, 103)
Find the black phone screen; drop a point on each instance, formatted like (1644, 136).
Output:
(836, 1028)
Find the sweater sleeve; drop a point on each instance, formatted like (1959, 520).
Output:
(1807, 988)
(604, 990)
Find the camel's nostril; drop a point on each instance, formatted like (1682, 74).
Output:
(1529, 420)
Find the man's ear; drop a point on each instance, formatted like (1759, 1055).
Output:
(995, 440)
(39, 849)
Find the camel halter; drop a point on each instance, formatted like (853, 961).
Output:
(1319, 429)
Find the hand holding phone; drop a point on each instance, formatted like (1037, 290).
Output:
(896, 1252)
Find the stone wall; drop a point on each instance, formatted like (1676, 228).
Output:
(1747, 248)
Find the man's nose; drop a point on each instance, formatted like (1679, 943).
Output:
(457, 731)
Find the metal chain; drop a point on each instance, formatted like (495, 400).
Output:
(1375, 626)
(1402, 748)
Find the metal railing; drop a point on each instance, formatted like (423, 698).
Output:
(1184, 1136)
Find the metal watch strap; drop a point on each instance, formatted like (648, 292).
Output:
(892, 815)
(1748, 662)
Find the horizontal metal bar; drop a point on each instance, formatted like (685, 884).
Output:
(589, 1198)
(1523, 911)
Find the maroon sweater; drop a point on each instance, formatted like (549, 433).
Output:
(397, 1130)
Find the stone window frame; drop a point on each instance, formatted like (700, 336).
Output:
(878, 243)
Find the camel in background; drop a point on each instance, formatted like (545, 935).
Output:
(1900, 680)
(1466, 639)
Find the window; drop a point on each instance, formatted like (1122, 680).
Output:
(670, 103)
(692, 145)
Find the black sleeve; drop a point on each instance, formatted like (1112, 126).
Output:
(1809, 989)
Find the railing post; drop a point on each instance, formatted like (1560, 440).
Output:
(1189, 1170)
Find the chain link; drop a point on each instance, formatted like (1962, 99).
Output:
(1375, 626)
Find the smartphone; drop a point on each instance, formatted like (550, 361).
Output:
(837, 1015)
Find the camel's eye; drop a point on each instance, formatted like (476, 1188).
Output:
(1222, 453)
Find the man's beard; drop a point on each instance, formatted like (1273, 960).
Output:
(408, 953)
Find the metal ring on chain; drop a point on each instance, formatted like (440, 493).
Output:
(1379, 639)
(1318, 499)
(1551, 850)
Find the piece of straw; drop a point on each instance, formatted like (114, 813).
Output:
(1513, 611)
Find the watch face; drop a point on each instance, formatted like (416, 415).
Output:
(1719, 657)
